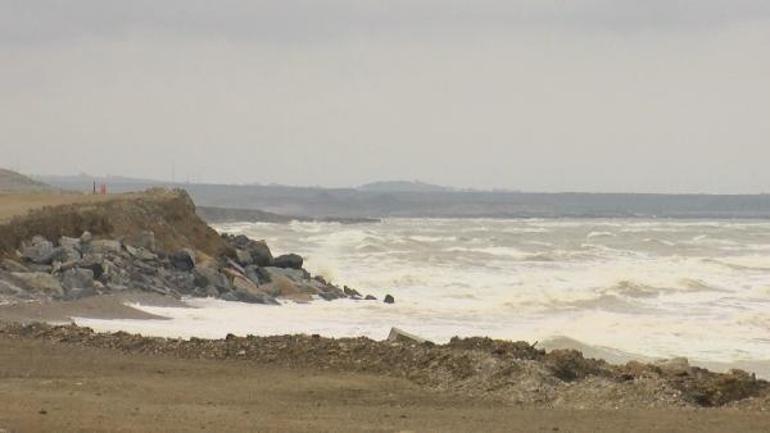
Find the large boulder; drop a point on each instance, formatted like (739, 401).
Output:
(95, 263)
(290, 261)
(39, 282)
(253, 252)
(39, 250)
(77, 279)
(295, 284)
(206, 277)
(66, 254)
(182, 260)
(243, 257)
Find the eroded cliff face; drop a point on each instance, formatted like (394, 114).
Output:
(170, 215)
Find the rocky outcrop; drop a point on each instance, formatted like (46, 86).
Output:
(152, 242)
(169, 215)
(76, 267)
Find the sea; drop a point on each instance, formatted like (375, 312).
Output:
(616, 288)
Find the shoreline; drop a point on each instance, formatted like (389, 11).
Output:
(111, 313)
(518, 373)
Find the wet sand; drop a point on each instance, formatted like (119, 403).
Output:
(95, 307)
(48, 386)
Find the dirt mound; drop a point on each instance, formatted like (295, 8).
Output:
(484, 368)
(169, 214)
(12, 182)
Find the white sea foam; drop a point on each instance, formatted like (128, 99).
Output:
(651, 287)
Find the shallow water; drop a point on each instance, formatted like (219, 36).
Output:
(652, 287)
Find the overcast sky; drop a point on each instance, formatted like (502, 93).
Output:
(580, 95)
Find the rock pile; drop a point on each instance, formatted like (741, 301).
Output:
(479, 367)
(72, 268)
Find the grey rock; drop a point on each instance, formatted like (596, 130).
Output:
(39, 282)
(401, 336)
(353, 293)
(254, 274)
(370, 298)
(69, 242)
(272, 272)
(259, 251)
(182, 260)
(34, 267)
(77, 279)
(328, 296)
(291, 261)
(389, 299)
(39, 250)
(104, 246)
(243, 257)
(66, 254)
(13, 266)
(210, 277)
(86, 237)
(95, 263)
(141, 253)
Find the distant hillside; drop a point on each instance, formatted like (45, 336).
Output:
(12, 182)
(402, 186)
(339, 203)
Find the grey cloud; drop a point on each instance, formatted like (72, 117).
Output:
(313, 20)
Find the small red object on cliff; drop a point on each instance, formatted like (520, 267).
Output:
(103, 189)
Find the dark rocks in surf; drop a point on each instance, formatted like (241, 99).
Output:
(249, 251)
(290, 261)
(72, 268)
(389, 299)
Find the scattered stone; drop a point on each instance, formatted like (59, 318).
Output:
(370, 298)
(389, 299)
(401, 336)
